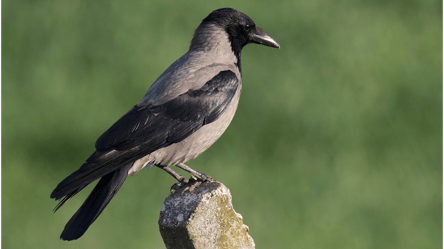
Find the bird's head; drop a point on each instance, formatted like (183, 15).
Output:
(240, 28)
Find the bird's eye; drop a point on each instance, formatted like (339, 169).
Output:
(247, 27)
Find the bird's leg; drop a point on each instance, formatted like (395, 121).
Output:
(197, 174)
(173, 173)
(182, 180)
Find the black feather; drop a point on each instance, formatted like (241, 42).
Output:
(149, 125)
(145, 129)
(235, 23)
(99, 198)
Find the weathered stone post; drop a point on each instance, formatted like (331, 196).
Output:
(201, 215)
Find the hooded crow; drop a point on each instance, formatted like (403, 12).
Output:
(183, 113)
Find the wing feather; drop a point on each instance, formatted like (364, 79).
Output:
(145, 129)
(176, 119)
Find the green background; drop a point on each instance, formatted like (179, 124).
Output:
(337, 141)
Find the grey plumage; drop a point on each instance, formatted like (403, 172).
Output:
(183, 113)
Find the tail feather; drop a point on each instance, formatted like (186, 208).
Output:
(97, 165)
(67, 197)
(96, 202)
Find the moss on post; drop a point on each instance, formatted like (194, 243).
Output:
(201, 215)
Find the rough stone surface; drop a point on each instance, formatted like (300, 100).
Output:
(201, 215)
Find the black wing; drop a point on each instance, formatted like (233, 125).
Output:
(158, 126)
(145, 129)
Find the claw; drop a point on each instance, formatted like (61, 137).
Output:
(193, 179)
(206, 178)
(184, 181)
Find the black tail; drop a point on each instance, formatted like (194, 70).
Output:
(95, 203)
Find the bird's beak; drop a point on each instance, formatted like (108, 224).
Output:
(261, 37)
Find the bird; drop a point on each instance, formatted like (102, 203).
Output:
(182, 114)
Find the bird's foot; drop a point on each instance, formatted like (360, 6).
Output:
(186, 185)
(182, 182)
(200, 176)
(204, 178)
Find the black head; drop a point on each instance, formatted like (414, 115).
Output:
(240, 28)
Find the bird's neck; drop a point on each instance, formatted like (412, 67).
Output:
(215, 41)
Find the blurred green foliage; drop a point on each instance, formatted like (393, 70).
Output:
(337, 142)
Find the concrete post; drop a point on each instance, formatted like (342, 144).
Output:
(201, 215)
